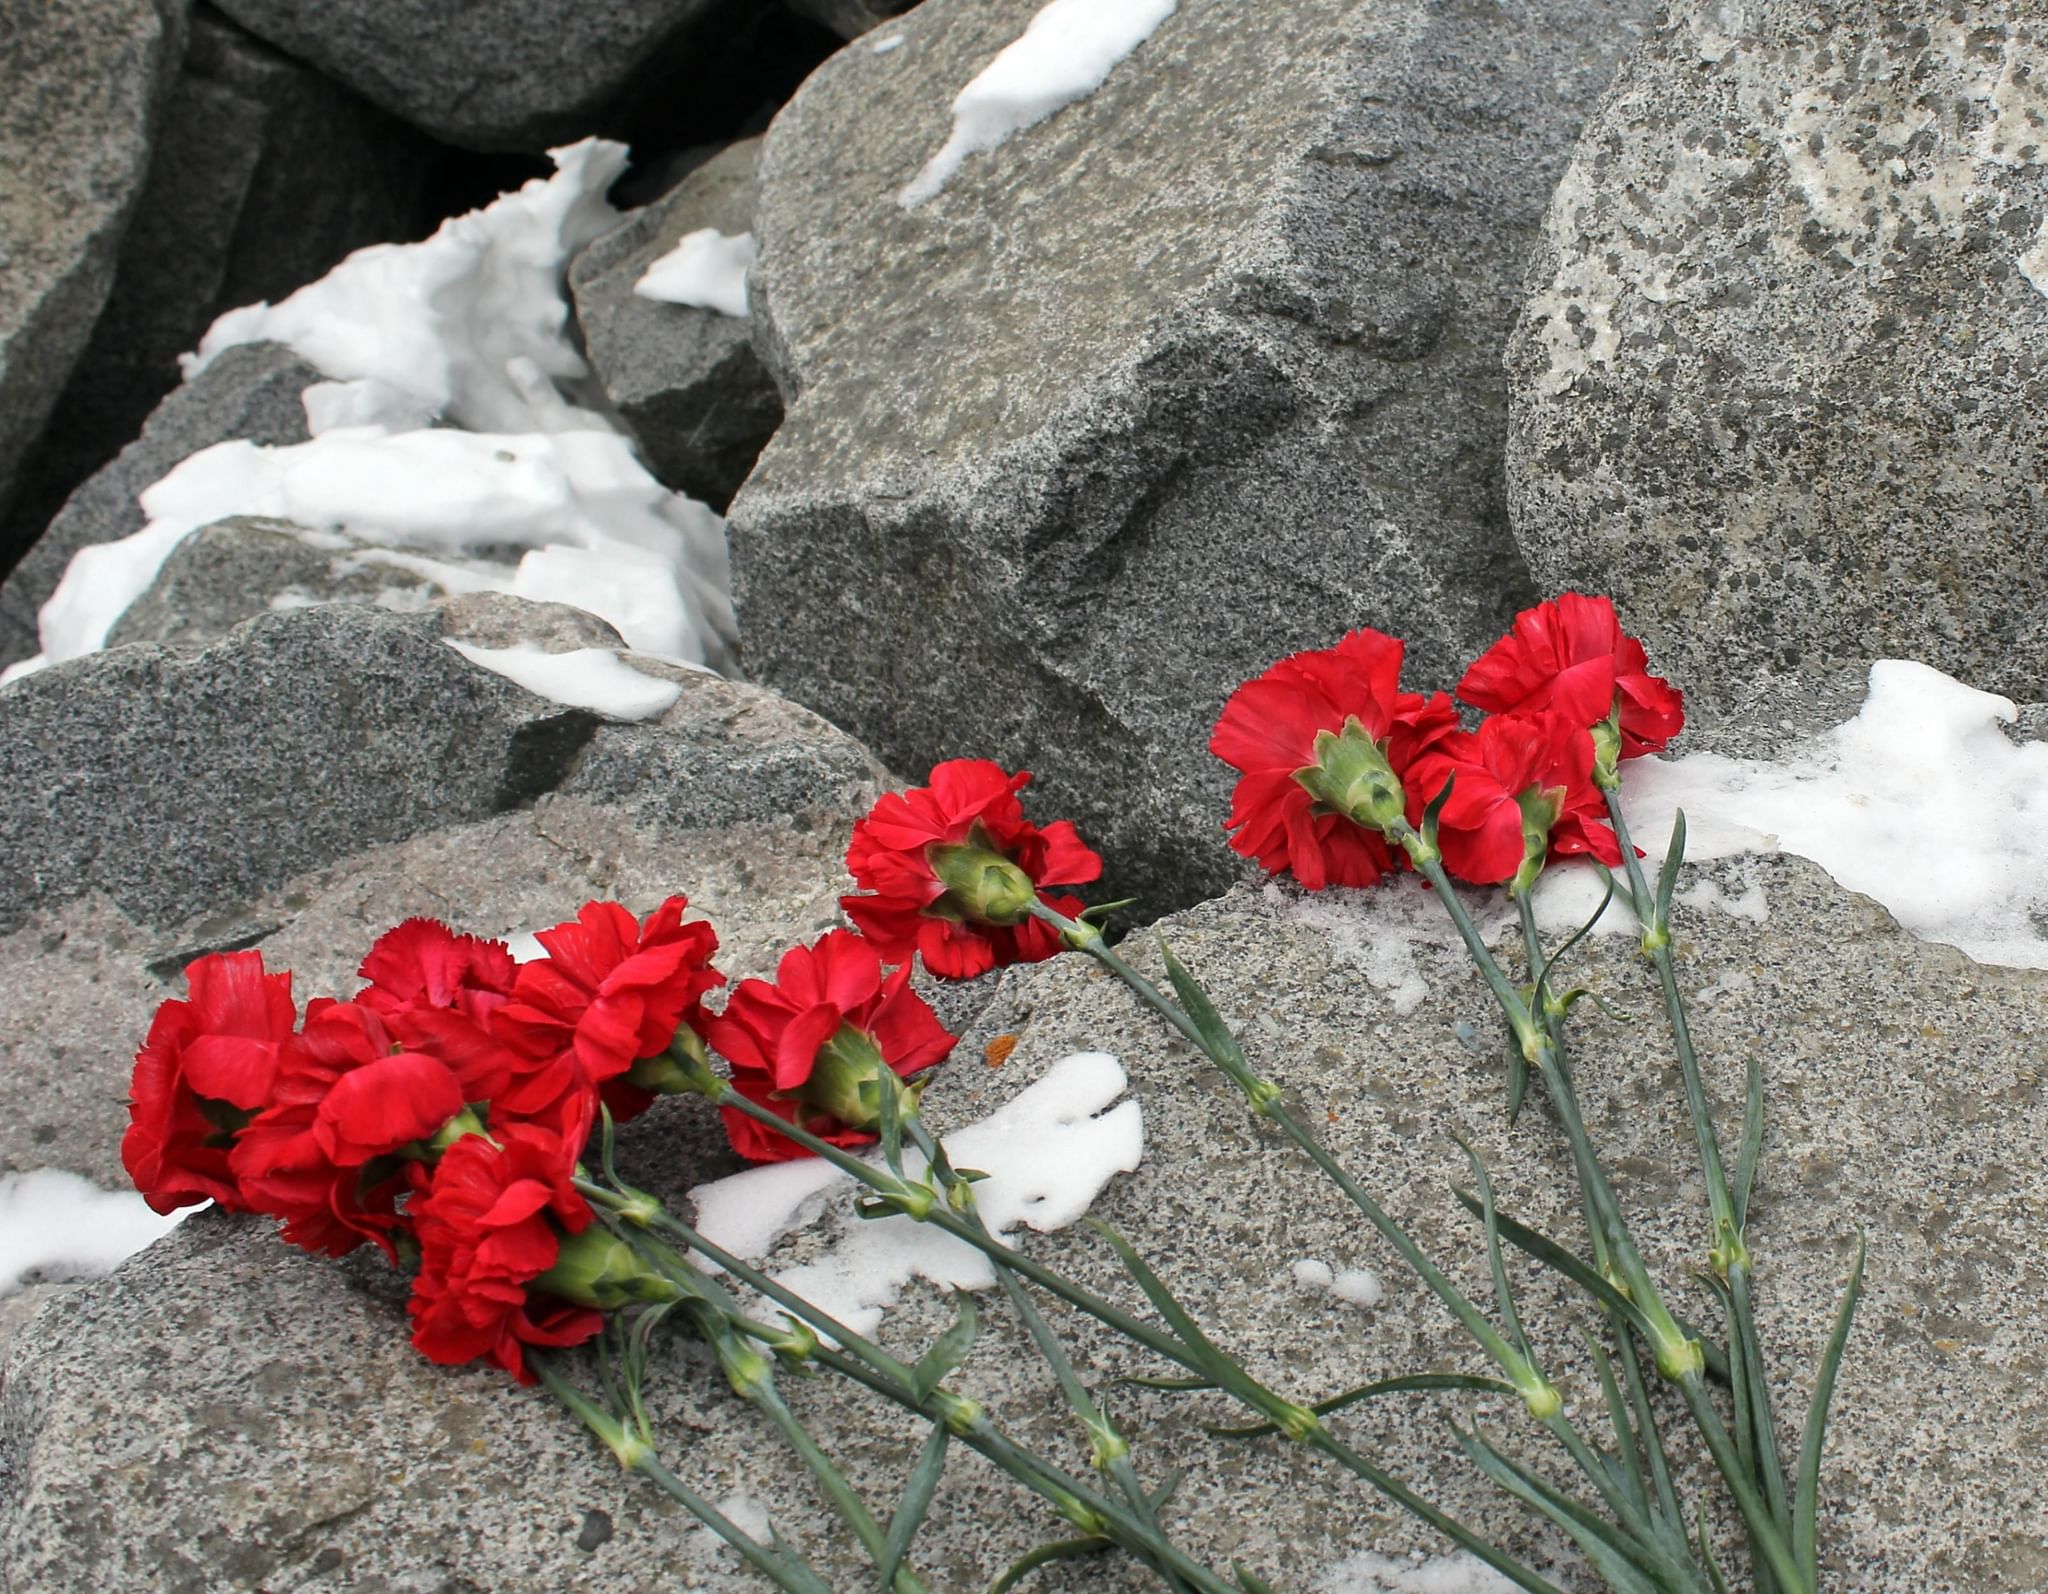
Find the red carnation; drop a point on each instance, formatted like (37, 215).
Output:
(1523, 791)
(809, 1046)
(491, 1222)
(346, 1099)
(1571, 655)
(208, 1066)
(953, 868)
(436, 992)
(611, 991)
(1269, 732)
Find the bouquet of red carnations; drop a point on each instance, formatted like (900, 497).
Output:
(457, 1113)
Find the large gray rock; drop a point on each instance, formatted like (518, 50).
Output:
(262, 175)
(500, 74)
(321, 774)
(251, 391)
(1200, 371)
(225, 1413)
(1781, 384)
(85, 86)
(849, 18)
(685, 381)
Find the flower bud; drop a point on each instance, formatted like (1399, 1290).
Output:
(677, 1071)
(1353, 777)
(982, 886)
(595, 1268)
(848, 1078)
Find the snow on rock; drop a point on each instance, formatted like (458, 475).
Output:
(707, 269)
(1366, 1573)
(592, 678)
(1048, 1152)
(1355, 1285)
(58, 1225)
(1065, 54)
(468, 328)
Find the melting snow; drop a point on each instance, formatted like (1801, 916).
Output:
(1065, 54)
(59, 1225)
(592, 678)
(1460, 1573)
(707, 269)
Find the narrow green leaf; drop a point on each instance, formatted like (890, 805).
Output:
(891, 1125)
(1562, 1261)
(1653, 1440)
(1063, 1550)
(1614, 1556)
(1250, 1581)
(1166, 1383)
(1667, 877)
(1752, 1136)
(1707, 1556)
(1621, 890)
(949, 1350)
(1807, 1500)
(1503, 1295)
(1216, 1037)
(917, 1499)
(1159, 1496)
(1407, 1384)
(1518, 1082)
(1432, 813)
(1629, 1468)
(1580, 934)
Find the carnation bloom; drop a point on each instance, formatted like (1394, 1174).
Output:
(321, 1156)
(207, 1067)
(489, 1223)
(1523, 790)
(1271, 731)
(611, 991)
(436, 992)
(810, 1045)
(1571, 655)
(953, 868)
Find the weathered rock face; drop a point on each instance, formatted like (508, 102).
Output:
(504, 74)
(1200, 371)
(1781, 385)
(686, 381)
(86, 84)
(163, 802)
(262, 175)
(308, 1437)
(249, 392)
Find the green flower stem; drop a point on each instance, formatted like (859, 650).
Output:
(1730, 1254)
(1110, 1450)
(1657, 944)
(866, 1363)
(780, 1566)
(1520, 1371)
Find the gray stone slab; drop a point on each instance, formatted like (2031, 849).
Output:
(1200, 371)
(252, 391)
(685, 381)
(86, 85)
(1781, 383)
(1905, 1106)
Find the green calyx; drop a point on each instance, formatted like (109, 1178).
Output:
(677, 1071)
(1541, 807)
(848, 1078)
(1353, 777)
(1607, 751)
(982, 886)
(596, 1268)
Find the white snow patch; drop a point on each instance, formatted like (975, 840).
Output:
(746, 1213)
(467, 327)
(525, 947)
(2034, 263)
(1392, 933)
(1366, 1573)
(62, 1226)
(446, 325)
(1065, 53)
(593, 678)
(747, 1514)
(884, 46)
(707, 269)
(1313, 1275)
(1048, 1152)
(1358, 1285)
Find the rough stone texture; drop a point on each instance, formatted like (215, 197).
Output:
(1781, 384)
(685, 381)
(226, 573)
(499, 74)
(1200, 371)
(849, 18)
(262, 176)
(736, 798)
(1905, 1104)
(250, 392)
(86, 84)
